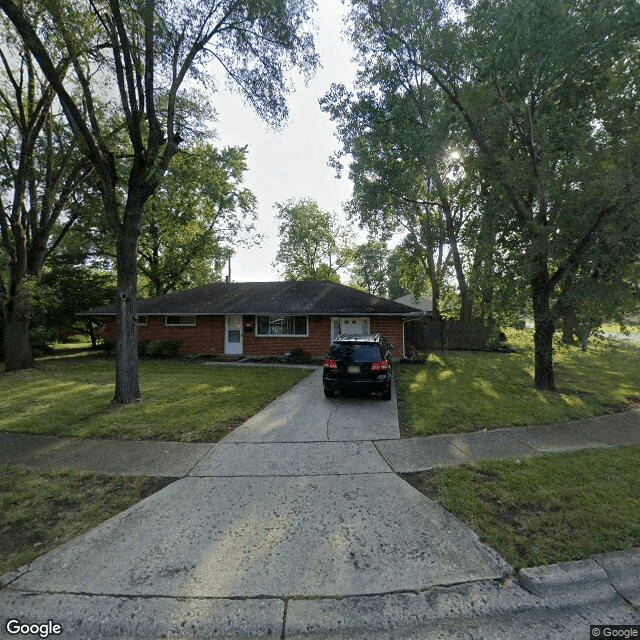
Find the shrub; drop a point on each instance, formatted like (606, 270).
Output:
(168, 348)
(150, 348)
(109, 346)
(42, 340)
(143, 347)
(298, 356)
(77, 338)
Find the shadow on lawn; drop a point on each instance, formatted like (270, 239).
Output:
(459, 391)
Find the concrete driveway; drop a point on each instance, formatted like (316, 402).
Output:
(295, 503)
(303, 414)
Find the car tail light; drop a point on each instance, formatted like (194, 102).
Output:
(381, 365)
(330, 364)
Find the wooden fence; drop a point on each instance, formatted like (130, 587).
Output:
(429, 334)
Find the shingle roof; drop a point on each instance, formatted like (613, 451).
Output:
(267, 298)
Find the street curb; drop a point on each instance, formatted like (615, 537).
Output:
(483, 610)
(599, 577)
(584, 578)
(552, 601)
(623, 569)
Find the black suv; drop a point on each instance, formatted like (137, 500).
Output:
(358, 363)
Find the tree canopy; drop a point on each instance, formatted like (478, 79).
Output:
(537, 94)
(41, 174)
(312, 245)
(369, 267)
(198, 213)
(151, 52)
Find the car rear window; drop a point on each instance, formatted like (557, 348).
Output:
(356, 352)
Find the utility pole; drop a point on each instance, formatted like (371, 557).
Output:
(228, 277)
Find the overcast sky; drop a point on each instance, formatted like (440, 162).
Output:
(290, 162)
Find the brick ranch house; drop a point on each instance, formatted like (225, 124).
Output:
(264, 318)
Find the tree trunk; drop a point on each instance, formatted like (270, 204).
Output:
(127, 384)
(435, 296)
(543, 334)
(568, 326)
(466, 302)
(480, 279)
(17, 349)
(91, 330)
(17, 319)
(154, 276)
(429, 264)
(584, 331)
(466, 310)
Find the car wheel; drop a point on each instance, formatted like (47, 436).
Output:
(328, 393)
(386, 395)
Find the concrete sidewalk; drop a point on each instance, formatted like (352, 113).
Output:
(420, 454)
(109, 457)
(286, 423)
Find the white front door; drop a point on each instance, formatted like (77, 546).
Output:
(349, 326)
(233, 335)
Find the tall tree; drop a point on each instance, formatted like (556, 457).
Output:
(369, 268)
(397, 283)
(401, 143)
(606, 285)
(147, 49)
(40, 170)
(312, 244)
(197, 213)
(530, 81)
(71, 286)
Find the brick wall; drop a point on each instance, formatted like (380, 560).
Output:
(317, 343)
(207, 337)
(393, 330)
(109, 329)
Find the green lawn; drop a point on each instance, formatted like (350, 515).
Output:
(556, 508)
(458, 391)
(40, 511)
(536, 511)
(183, 401)
(614, 327)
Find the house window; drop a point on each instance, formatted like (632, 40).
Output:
(141, 321)
(282, 326)
(182, 321)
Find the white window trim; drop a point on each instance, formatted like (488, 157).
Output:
(280, 335)
(181, 324)
(146, 320)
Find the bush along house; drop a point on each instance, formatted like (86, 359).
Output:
(263, 318)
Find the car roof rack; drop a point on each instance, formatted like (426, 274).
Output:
(359, 337)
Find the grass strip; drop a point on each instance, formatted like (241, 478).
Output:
(459, 391)
(42, 510)
(182, 401)
(555, 508)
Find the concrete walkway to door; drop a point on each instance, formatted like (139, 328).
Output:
(296, 526)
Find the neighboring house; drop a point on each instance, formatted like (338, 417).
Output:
(264, 318)
(425, 303)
